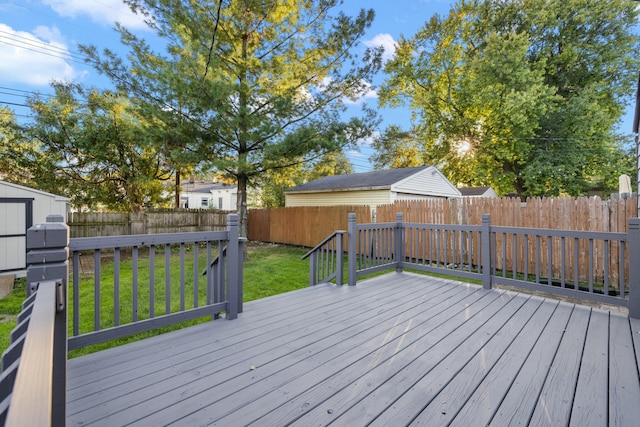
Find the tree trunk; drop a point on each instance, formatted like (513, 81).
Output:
(243, 212)
(178, 189)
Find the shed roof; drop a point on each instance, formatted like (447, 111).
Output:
(373, 179)
(7, 188)
(473, 191)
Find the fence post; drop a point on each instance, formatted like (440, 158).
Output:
(485, 236)
(339, 260)
(633, 239)
(399, 243)
(351, 248)
(233, 263)
(47, 260)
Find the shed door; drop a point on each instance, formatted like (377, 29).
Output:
(16, 216)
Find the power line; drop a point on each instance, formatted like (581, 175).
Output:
(43, 52)
(13, 103)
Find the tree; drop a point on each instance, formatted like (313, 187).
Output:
(276, 182)
(258, 84)
(86, 145)
(12, 147)
(396, 148)
(521, 95)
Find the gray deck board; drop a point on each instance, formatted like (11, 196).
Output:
(591, 398)
(559, 387)
(394, 350)
(495, 363)
(624, 389)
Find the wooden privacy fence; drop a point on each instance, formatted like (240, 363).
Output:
(303, 226)
(95, 224)
(559, 213)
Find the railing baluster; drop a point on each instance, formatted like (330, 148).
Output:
(606, 267)
(526, 257)
(514, 255)
(576, 257)
(210, 276)
(152, 281)
(96, 290)
(591, 262)
(537, 258)
(116, 286)
(182, 281)
(562, 262)
(550, 260)
(167, 278)
(196, 255)
(134, 279)
(622, 279)
(76, 293)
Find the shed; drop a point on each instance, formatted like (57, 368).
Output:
(373, 188)
(204, 195)
(478, 192)
(20, 208)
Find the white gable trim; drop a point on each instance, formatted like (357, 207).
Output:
(427, 182)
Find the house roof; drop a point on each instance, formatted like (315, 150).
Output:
(205, 187)
(374, 179)
(30, 190)
(473, 191)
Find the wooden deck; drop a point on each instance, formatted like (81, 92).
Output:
(399, 349)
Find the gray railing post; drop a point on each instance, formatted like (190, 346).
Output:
(47, 252)
(633, 239)
(313, 266)
(47, 259)
(485, 236)
(351, 248)
(399, 243)
(339, 260)
(233, 263)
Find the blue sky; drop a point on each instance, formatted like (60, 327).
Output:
(39, 38)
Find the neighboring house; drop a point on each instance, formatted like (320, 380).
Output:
(20, 208)
(204, 195)
(478, 192)
(373, 188)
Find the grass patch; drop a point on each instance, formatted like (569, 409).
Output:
(10, 307)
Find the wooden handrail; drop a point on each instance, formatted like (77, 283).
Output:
(34, 388)
(319, 245)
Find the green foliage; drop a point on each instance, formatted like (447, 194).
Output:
(396, 148)
(520, 95)
(88, 145)
(10, 307)
(276, 182)
(254, 85)
(13, 147)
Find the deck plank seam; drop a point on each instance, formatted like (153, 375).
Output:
(473, 292)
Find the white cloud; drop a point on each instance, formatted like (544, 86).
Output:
(103, 11)
(34, 59)
(387, 42)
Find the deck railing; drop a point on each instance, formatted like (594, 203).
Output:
(32, 383)
(165, 296)
(596, 266)
(326, 260)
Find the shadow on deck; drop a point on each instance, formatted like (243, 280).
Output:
(397, 349)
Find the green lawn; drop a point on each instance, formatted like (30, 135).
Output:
(269, 270)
